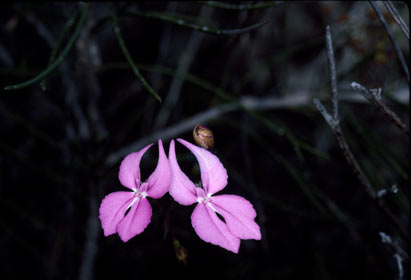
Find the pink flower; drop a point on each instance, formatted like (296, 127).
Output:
(114, 206)
(238, 213)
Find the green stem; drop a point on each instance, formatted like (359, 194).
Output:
(130, 60)
(63, 35)
(203, 28)
(58, 60)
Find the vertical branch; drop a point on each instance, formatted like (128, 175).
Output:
(129, 59)
(375, 99)
(250, 178)
(397, 17)
(394, 43)
(398, 253)
(184, 64)
(335, 127)
(333, 75)
(90, 245)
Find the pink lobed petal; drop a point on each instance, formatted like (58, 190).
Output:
(181, 188)
(213, 174)
(136, 220)
(211, 229)
(159, 180)
(112, 209)
(129, 174)
(238, 214)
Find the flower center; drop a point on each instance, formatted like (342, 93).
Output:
(139, 194)
(205, 199)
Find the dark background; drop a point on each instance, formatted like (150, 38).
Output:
(61, 147)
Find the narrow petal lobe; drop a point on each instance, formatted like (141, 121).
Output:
(159, 181)
(211, 229)
(238, 214)
(136, 220)
(181, 188)
(213, 174)
(112, 210)
(129, 174)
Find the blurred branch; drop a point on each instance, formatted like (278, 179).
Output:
(393, 41)
(374, 96)
(171, 131)
(280, 130)
(240, 7)
(86, 270)
(333, 75)
(129, 59)
(250, 180)
(184, 63)
(62, 36)
(31, 128)
(397, 17)
(88, 63)
(335, 127)
(59, 59)
(399, 254)
(5, 57)
(308, 190)
(203, 28)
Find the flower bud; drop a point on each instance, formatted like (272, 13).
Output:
(203, 136)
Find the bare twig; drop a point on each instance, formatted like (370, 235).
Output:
(335, 127)
(398, 253)
(393, 41)
(374, 97)
(397, 17)
(333, 75)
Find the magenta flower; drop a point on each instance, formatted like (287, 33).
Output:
(114, 206)
(238, 213)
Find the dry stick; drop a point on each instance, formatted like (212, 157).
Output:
(333, 75)
(397, 17)
(398, 253)
(375, 99)
(394, 43)
(333, 122)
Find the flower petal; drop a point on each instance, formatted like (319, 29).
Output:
(181, 188)
(213, 174)
(211, 229)
(159, 180)
(136, 220)
(129, 174)
(112, 210)
(238, 214)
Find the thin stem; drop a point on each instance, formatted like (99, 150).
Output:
(202, 28)
(375, 99)
(250, 103)
(63, 35)
(333, 75)
(397, 17)
(336, 129)
(130, 60)
(240, 7)
(58, 60)
(393, 41)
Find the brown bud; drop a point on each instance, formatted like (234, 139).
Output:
(203, 136)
